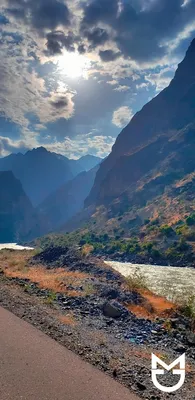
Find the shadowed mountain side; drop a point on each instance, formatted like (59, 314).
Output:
(88, 162)
(18, 219)
(149, 132)
(42, 172)
(68, 199)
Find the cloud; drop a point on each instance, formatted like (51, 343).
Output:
(91, 143)
(57, 41)
(142, 85)
(161, 79)
(82, 145)
(8, 146)
(132, 48)
(122, 116)
(109, 55)
(41, 14)
(113, 82)
(122, 88)
(96, 36)
(141, 30)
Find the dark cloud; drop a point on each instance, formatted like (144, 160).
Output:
(61, 102)
(109, 55)
(82, 49)
(140, 28)
(100, 10)
(96, 36)
(57, 40)
(42, 14)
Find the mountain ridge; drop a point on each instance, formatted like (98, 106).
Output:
(42, 172)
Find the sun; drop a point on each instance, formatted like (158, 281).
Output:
(73, 65)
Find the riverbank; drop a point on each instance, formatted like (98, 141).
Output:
(89, 308)
(169, 281)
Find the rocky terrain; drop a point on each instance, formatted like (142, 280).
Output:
(94, 311)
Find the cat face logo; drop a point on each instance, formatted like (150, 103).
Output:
(180, 371)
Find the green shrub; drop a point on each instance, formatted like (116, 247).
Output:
(167, 230)
(136, 281)
(190, 220)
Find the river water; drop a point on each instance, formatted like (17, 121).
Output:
(14, 246)
(171, 282)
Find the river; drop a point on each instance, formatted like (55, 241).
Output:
(14, 246)
(171, 282)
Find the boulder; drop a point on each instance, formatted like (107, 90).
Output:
(113, 309)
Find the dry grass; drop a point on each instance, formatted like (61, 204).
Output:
(87, 249)
(58, 280)
(68, 319)
(154, 306)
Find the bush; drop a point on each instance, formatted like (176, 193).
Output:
(190, 220)
(136, 281)
(167, 230)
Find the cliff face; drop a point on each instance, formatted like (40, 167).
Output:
(153, 134)
(18, 219)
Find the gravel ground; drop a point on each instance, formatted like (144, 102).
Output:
(104, 346)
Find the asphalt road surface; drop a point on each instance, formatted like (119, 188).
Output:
(35, 367)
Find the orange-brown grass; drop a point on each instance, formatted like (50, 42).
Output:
(153, 306)
(16, 266)
(67, 319)
(87, 249)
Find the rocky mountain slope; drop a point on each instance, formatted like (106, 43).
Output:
(18, 219)
(141, 207)
(68, 200)
(158, 131)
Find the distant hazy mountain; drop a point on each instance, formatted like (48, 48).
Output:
(88, 162)
(65, 202)
(42, 172)
(18, 219)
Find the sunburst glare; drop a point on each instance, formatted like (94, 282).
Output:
(74, 65)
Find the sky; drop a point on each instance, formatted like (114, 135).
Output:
(74, 72)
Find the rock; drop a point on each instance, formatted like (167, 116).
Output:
(113, 310)
(190, 336)
(140, 386)
(180, 348)
(174, 322)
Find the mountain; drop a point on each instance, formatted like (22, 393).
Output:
(18, 219)
(154, 133)
(65, 202)
(142, 202)
(40, 172)
(88, 162)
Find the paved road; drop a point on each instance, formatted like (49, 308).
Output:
(35, 367)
